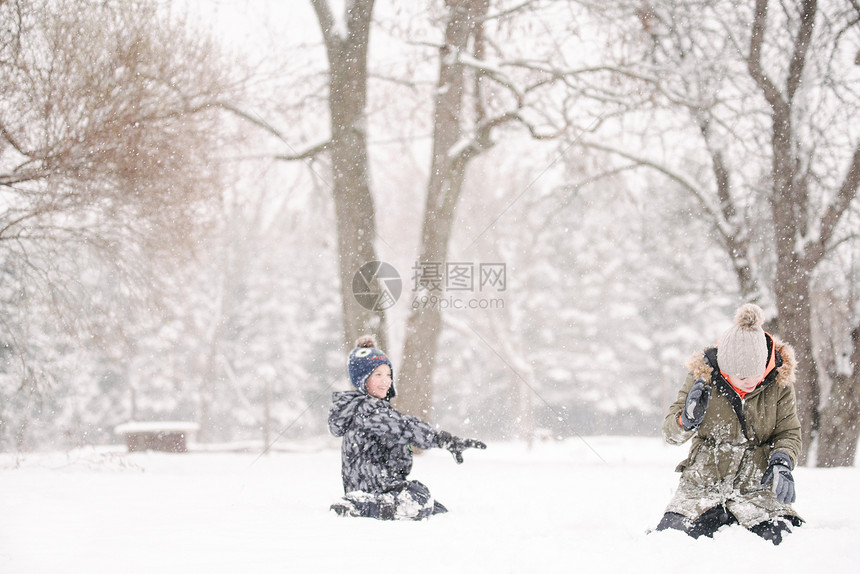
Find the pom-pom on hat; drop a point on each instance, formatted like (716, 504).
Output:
(742, 350)
(363, 360)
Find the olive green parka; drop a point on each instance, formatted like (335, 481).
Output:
(731, 448)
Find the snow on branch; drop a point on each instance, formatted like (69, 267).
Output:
(256, 120)
(720, 224)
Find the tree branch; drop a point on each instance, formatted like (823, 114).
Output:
(12, 141)
(698, 194)
(834, 212)
(801, 46)
(260, 123)
(326, 19)
(309, 153)
(771, 93)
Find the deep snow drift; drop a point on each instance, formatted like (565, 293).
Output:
(555, 507)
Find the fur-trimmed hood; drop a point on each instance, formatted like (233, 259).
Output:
(784, 362)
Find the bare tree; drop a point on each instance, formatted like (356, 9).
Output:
(758, 64)
(103, 123)
(489, 82)
(346, 37)
(463, 35)
(346, 45)
(106, 135)
(792, 176)
(484, 85)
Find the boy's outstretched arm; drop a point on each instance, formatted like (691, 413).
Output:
(398, 428)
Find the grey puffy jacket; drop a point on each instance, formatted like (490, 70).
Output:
(376, 454)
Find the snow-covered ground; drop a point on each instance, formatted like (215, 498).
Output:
(554, 508)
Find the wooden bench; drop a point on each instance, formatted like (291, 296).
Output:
(167, 436)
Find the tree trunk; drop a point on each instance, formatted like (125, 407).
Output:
(793, 277)
(789, 202)
(353, 201)
(424, 324)
(838, 438)
(794, 326)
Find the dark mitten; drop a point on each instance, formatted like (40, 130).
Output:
(696, 404)
(779, 473)
(456, 445)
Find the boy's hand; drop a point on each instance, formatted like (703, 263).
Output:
(456, 445)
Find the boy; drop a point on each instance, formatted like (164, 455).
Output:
(376, 454)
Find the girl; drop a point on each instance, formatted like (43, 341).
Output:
(738, 407)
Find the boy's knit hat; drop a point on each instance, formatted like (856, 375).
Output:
(363, 360)
(742, 350)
